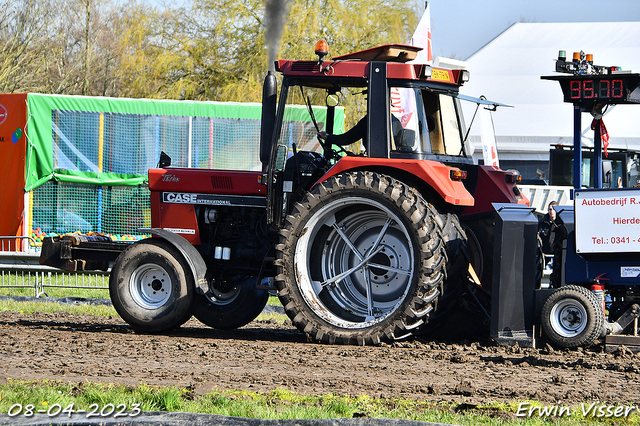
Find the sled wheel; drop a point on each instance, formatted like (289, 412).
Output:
(151, 287)
(455, 281)
(457, 262)
(572, 316)
(235, 307)
(361, 259)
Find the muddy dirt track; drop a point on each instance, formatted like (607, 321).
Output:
(264, 355)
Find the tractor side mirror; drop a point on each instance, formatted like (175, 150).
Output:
(333, 100)
(165, 160)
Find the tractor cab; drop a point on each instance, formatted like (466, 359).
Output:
(620, 167)
(411, 110)
(393, 109)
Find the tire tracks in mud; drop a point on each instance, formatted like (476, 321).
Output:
(264, 356)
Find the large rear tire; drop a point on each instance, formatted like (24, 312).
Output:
(152, 287)
(235, 307)
(361, 259)
(572, 316)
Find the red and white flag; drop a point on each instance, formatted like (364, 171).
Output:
(403, 100)
(422, 38)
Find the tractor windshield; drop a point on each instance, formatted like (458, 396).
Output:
(298, 132)
(309, 110)
(422, 122)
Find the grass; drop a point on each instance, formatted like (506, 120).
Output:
(273, 300)
(55, 396)
(29, 307)
(51, 307)
(89, 280)
(58, 292)
(12, 280)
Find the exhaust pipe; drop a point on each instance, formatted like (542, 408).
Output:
(267, 123)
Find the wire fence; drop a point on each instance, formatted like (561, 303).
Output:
(22, 270)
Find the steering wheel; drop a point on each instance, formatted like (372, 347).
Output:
(334, 154)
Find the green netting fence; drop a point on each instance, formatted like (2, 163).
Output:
(88, 158)
(63, 207)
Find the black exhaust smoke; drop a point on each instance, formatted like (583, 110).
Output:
(276, 12)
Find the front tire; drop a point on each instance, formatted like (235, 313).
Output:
(360, 260)
(235, 307)
(572, 316)
(151, 287)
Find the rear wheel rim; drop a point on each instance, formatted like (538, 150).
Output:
(150, 286)
(568, 318)
(372, 282)
(218, 297)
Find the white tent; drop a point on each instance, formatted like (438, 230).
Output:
(508, 70)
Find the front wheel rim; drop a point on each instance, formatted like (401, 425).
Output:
(150, 286)
(568, 318)
(349, 289)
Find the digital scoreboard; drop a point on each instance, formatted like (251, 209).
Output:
(615, 88)
(592, 88)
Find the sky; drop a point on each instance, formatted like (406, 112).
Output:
(459, 28)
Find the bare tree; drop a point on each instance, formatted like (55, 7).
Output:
(22, 25)
(204, 50)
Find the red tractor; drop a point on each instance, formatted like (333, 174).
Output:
(364, 242)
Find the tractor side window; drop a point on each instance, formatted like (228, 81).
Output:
(408, 121)
(444, 128)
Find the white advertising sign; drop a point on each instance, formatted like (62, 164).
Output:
(630, 272)
(607, 221)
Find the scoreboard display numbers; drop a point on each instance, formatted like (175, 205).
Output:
(604, 89)
(596, 89)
